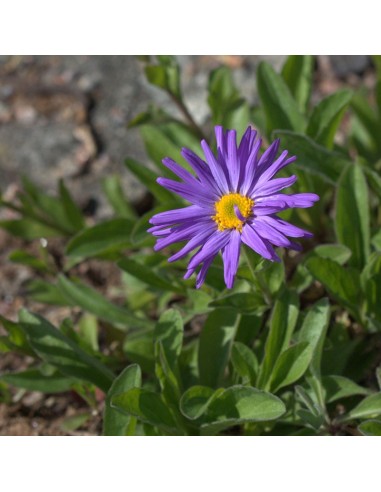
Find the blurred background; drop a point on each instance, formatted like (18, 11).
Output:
(66, 116)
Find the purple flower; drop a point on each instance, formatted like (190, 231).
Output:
(234, 198)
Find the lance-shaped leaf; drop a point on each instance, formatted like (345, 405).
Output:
(116, 422)
(93, 302)
(352, 221)
(215, 344)
(326, 117)
(148, 407)
(60, 351)
(297, 73)
(280, 107)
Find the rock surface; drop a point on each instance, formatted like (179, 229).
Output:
(65, 117)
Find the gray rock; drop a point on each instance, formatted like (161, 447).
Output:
(66, 116)
(343, 65)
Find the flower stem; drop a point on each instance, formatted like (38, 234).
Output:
(195, 127)
(258, 279)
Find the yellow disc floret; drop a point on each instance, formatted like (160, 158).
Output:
(226, 216)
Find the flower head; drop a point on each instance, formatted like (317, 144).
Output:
(234, 198)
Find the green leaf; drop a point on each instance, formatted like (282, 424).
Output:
(35, 380)
(337, 387)
(139, 348)
(139, 235)
(372, 296)
(158, 145)
(149, 179)
(112, 188)
(148, 407)
(215, 345)
(280, 107)
(241, 404)
(88, 331)
(29, 229)
(147, 275)
(93, 302)
(335, 252)
(23, 258)
(282, 324)
(297, 73)
(352, 214)
(166, 75)
(195, 401)
(72, 211)
(116, 422)
(43, 291)
(342, 283)
(291, 365)
(312, 157)
(273, 276)
(376, 240)
(369, 120)
(73, 423)
(227, 107)
(59, 351)
(106, 236)
(224, 408)
(169, 330)
(57, 211)
(370, 428)
(168, 377)
(374, 180)
(244, 362)
(168, 339)
(367, 408)
(17, 339)
(305, 398)
(326, 117)
(243, 302)
(314, 330)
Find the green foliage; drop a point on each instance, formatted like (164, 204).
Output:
(293, 349)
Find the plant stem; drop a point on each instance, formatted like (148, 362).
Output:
(195, 127)
(258, 279)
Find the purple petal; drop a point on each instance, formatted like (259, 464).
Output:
(238, 214)
(159, 231)
(268, 155)
(274, 168)
(230, 256)
(220, 139)
(232, 160)
(216, 242)
(273, 235)
(269, 209)
(298, 200)
(250, 168)
(198, 239)
(180, 233)
(215, 168)
(285, 227)
(272, 186)
(200, 168)
(193, 194)
(259, 245)
(246, 144)
(200, 279)
(177, 215)
(180, 171)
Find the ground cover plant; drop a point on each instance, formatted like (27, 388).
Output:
(282, 339)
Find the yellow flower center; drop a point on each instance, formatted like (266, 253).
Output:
(226, 216)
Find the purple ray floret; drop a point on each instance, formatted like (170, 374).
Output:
(234, 198)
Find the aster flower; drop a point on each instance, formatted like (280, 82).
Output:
(234, 198)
